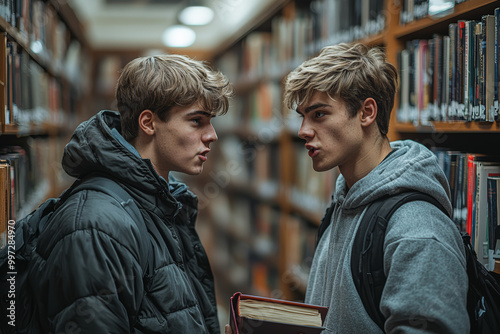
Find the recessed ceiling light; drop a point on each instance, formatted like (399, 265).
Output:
(178, 36)
(196, 15)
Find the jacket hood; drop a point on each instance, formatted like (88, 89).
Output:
(93, 148)
(410, 166)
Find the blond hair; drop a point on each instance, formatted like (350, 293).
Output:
(351, 72)
(159, 83)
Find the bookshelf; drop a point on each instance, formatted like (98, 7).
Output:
(44, 67)
(249, 138)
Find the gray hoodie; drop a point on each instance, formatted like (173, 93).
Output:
(424, 260)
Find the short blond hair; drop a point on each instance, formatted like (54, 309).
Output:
(159, 83)
(351, 72)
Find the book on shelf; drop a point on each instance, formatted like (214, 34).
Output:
(459, 91)
(445, 82)
(480, 228)
(493, 220)
(468, 68)
(479, 70)
(452, 32)
(404, 91)
(496, 53)
(256, 314)
(5, 200)
(489, 97)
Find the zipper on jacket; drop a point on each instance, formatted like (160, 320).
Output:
(178, 208)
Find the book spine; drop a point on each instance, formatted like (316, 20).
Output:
(5, 201)
(482, 83)
(490, 68)
(478, 70)
(467, 74)
(471, 182)
(452, 109)
(460, 113)
(493, 220)
(438, 68)
(496, 60)
(445, 96)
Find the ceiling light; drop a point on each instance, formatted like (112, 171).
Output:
(178, 36)
(196, 15)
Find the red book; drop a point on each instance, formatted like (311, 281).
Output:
(254, 314)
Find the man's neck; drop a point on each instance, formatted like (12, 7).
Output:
(370, 156)
(147, 152)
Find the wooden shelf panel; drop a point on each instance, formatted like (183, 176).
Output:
(34, 129)
(429, 24)
(449, 127)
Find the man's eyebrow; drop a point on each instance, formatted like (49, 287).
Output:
(199, 112)
(314, 106)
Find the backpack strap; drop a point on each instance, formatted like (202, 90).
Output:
(110, 187)
(367, 257)
(325, 222)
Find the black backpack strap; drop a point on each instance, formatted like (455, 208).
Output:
(367, 257)
(325, 222)
(110, 187)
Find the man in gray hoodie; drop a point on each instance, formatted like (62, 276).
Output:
(345, 96)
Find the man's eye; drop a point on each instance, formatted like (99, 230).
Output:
(196, 121)
(319, 114)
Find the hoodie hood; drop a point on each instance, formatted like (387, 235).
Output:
(410, 166)
(93, 148)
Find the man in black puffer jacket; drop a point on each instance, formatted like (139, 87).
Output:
(86, 274)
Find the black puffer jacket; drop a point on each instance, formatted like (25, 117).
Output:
(86, 275)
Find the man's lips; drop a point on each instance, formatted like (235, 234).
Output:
(313, 151)
(203, 155)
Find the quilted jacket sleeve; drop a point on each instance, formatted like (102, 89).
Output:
(87, 267)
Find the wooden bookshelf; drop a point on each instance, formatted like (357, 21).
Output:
(49, 98)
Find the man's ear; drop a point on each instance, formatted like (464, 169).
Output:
(368, 112)
(146, 123)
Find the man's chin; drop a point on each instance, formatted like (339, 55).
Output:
(194, 171)
(321, 168)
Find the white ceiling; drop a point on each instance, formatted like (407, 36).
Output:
(139, 25)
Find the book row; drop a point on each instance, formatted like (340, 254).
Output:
(452, 77)
(301, 31)
(32, 94)
(474, 183)
(259, 108)
(25, 169)
(42, 30)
